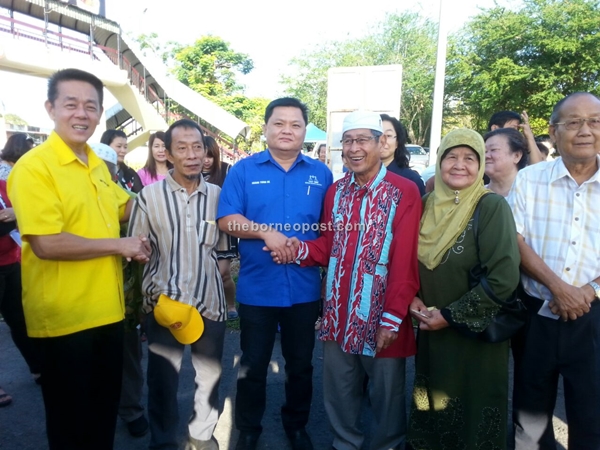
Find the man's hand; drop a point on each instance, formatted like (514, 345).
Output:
(136, 248)
(525, 127)
(7, 215)
(385, 338)
(282, 248)
(570, 302)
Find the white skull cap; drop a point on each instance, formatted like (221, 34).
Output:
(104, 152)
(362, 119)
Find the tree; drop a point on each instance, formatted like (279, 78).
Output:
(524, 59)
(209, 67)
(406, 39)
(13, 119)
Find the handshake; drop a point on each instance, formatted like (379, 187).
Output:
(283, 249)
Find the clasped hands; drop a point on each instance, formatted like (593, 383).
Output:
(570, 302)
(283, 249)
(136, 248)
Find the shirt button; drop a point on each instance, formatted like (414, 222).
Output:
(576, 218)
(568, 269)
(578, 194)
(573, 242)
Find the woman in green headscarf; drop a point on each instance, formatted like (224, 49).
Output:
(460, 399)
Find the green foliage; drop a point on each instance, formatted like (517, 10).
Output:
(209, 67)
(525, 59)
(405, 38)
(13, 119)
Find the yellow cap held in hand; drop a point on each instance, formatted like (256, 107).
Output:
(184, 321)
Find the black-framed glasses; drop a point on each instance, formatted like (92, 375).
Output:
(363, 140)
(576, 124)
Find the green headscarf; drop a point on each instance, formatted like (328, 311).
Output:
(443, 219)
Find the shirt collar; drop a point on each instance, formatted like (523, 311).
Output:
(175, 186)
(373, 182)
(560, 171)
(66, 155)
(266, 156)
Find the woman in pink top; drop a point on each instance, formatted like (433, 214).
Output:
(157, 166)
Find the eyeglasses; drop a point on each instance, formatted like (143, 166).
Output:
(576, 124)
(389, 136)
(359, 140)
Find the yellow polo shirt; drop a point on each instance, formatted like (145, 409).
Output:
(52, 191)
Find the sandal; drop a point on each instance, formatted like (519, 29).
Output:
(5, 399)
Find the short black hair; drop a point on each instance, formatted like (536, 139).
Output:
(516, 143)
(401, 154)
(16, 146)
(502, 117)
(181, 123)
(555, 116)
(74, 75)
(286, 101)
(109, 135)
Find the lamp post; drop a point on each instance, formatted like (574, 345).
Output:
(438, 90)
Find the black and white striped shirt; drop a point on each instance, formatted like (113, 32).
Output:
(184, 236)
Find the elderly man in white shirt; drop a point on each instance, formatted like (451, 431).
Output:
(557, 214)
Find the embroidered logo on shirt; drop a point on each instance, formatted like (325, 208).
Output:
(312, 180)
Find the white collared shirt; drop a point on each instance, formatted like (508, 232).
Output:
(560, 221)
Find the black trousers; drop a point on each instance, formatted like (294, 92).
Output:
(81, 386)
(11, 308)
(258, 331)
(543, 350)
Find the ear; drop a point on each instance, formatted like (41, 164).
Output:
(169, 157)
(382, 140)
(49, 109)
(517, 156)
(264, 129)
(552, 133)
(494, 127)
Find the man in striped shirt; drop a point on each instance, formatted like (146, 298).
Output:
(178, 215)
(556, 211)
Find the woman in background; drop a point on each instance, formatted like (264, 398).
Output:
(157, 166)
(127, 178)
(16, 146)
(505, 154)
(394, 155)
(214, 171)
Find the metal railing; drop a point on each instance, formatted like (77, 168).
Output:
(23, 30)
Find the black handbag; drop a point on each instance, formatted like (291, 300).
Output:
(512, 315)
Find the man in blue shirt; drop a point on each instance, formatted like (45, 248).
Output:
(267, 198)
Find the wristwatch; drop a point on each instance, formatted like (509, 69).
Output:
(596, 289)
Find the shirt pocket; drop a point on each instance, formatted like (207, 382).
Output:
(208, 233)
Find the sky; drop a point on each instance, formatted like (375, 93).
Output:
(271, 32)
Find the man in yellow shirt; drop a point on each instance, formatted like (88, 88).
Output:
(68, 211)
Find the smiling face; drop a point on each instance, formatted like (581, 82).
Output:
(363, 158)
(459, 168)
(582, 145)
(186, 154)
(76, 113)
(285, 130)
(159, 152)
(388, 149)
(119, 145)
(500, 161)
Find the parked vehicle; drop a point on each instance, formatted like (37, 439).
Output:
(419, 159)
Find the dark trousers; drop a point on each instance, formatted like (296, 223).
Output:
(545, 349)
(130, 406)
(81, 386)
(258, 330)
(11, 308)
